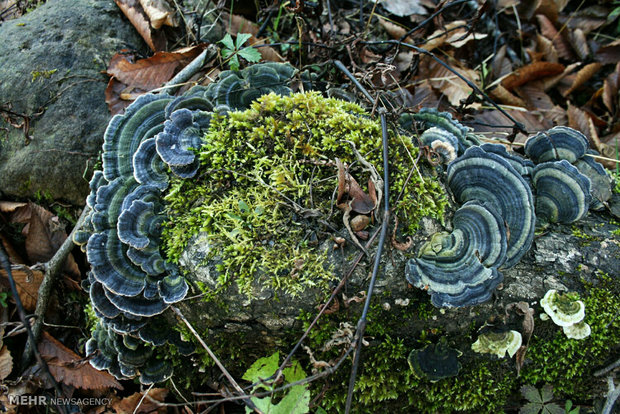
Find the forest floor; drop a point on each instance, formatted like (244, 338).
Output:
(505, 68)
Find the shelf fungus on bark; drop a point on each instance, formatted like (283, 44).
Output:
(182, 133)
(125, 356)
(142, 119)
(563, 308)
(460, 268)
(522, 165)
(488, 177)
(435, 361)
(579, 330)
(237, 89)
(557, 143)
(562, 192)
(567, 311)
(148, 167)
(600, 180)
(498, 343)
(442, 142)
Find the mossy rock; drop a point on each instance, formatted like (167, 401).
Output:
(256, 241)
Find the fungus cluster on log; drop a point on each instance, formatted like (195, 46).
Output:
(455, 268)
(131, 284)
(567, 311)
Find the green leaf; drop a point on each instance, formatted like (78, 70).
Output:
(319, 410)
(241, 39)
(227, 41)
(243, 206)
(530, 408)
(250, 54)
(234, 62)
(532, 394)
(552, 408)
(262, 368)
(226, 53)
(547, 393)
(259, 210)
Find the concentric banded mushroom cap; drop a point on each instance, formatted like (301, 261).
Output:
(562, 192)
(489, 178)
(460, 268)
(558, 143)
(564, 309)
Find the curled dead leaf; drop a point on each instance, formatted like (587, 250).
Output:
(147, 405)
(6, 363)
(27, 282)
(133, 10)
(159, 13)
(550, 32)
(69, 368)
(531, 72)
(583, 76)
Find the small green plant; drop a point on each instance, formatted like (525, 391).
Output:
(569, 409)
(297, 398)
(233, 49)
(3, 297)
(539, 400)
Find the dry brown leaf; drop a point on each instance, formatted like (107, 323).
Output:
(10, 206)
(581, 121)
(587, 20)
(562, 78)
(531, 72)
(579, 42)
(501, 64)
(6, 363)
(583, 76)
(71, 369)
(550, 32)
(152, 72)
(610, 90)
(458, 39)
(438, 38)
(545, 46)
(129, 404)
(44, 235)
(239, 24)
(132, 9)
(531, 121)
(27, 282)
(394, 30)
(505, 97)
(268, 53)
(14, 256)
(114, 93)
(447, 83)
(549, 8)
(534, 95)
(159, 13)
(610, 53)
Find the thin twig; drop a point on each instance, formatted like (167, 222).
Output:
(6, 264)
(518, 125)
(246, 399)
(361, 324)
(53, 270)
(191, 69)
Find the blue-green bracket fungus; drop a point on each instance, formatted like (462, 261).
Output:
(562, 192)
(131, 283)
(460, 268)
(557, 143)
(435, 361)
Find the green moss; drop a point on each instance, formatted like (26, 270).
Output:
(569, 364)
(264, 194)
(386, 381)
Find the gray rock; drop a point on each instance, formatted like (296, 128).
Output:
(52, 59)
